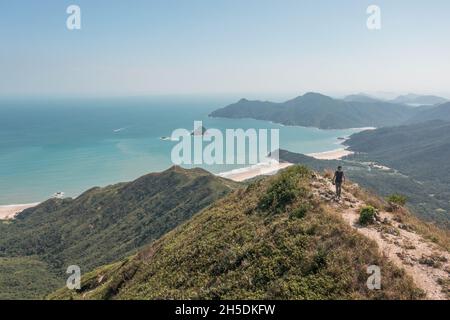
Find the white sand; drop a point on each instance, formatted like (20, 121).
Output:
(338, 154)
(254, 171)
(9, 212)
(331, 155)
(364, 128)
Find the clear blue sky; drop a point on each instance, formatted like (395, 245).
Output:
(223, 46)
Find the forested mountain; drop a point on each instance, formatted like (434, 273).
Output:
(421, 150)
(317, 110)
(440, 112)
(101, 225)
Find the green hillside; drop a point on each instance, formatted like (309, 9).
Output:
(105, 224)
(272, 240)
(25, 278)
(420, 152)
(316, 110)
(386, 182)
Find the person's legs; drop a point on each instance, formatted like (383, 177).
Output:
(338, 190)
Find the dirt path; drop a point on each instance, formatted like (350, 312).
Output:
(425, 262)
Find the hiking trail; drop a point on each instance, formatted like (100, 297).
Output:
(426, 263)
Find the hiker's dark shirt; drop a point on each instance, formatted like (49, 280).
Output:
(339, 175)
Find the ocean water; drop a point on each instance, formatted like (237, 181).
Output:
(70, 145)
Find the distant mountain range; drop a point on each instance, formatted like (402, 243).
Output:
(417, 100)
(410, 99)
(440, 112)
(317, 110)
(100, 226)
(361, 97)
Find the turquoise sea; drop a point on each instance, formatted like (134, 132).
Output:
(70, 145)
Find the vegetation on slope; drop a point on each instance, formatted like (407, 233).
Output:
(254, 244)
(25, 278)
(419, 151)
(106, 224)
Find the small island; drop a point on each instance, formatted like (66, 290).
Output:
(200, 131)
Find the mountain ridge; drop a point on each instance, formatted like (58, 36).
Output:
(361, 97)
(281, 237)
(318, 110)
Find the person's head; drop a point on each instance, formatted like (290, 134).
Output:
(340, 168)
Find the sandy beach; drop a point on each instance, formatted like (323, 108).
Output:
(331, 155)
(337, 154)
(10, 211)
(254, 171)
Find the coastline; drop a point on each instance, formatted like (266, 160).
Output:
(8, 212)
(336, 154)
(271, 168)
(360, 129)
(265, 168)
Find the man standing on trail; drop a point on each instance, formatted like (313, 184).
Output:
(338, 180)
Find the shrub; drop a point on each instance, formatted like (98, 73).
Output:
(367, 215)
(279, 195)
(397, 199)
(299, 212)
(319, 260)
(284, 189)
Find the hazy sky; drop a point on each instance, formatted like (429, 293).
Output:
(134, 47)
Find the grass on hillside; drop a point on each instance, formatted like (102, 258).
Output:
(254, 244)
(25, 272)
